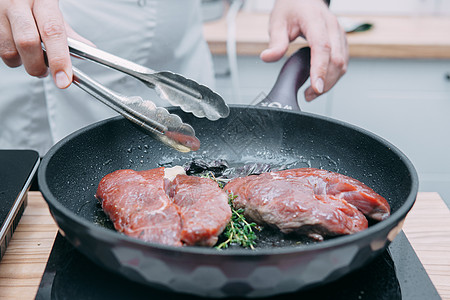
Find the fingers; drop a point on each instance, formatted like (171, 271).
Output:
(8, 51)
(19, 38)
(26, 40)
(321, 48)
(51, 26)
(329, 57)
(23, 25)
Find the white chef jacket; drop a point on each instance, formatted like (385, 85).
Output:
(159, 34)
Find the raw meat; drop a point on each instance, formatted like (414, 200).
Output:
(204, 208)
(308, 201)
(139, 205)
(371, 204)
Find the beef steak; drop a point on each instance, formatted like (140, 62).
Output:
(308, 201)
(187, 210)
(203, 206)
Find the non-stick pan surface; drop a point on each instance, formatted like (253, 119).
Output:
(71, 170)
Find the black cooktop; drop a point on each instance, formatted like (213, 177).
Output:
(396, 274)
(17, 168)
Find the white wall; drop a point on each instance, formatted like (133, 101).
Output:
(365, 7)
(389, 7)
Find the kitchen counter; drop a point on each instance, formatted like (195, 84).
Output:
(390, 36)
(427, 227)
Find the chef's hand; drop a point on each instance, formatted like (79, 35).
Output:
(311, 19)
(23, 24)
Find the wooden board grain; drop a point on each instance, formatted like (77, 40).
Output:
(25, 259)
(427, 227)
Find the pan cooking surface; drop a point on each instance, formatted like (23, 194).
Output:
(248, 136)
(222, 171)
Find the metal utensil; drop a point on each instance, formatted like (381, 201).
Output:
(191, 96)
(166, 127)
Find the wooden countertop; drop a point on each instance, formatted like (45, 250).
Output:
(390, 37)
(427, 227)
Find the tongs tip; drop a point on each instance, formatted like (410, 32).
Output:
(190, 143)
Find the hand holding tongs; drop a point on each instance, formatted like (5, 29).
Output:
(168, 128)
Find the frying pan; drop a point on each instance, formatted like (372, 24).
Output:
(71, 170)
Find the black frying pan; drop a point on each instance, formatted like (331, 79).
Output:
(70, 171)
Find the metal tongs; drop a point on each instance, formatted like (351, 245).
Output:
(177, 90)
(164, 126)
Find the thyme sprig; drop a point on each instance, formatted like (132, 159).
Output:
(238, 230)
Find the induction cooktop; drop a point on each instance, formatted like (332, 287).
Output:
(17, 169)
(395, 274)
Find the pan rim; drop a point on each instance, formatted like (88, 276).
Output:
(390, 222)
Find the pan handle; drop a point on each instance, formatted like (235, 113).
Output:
(293, 75)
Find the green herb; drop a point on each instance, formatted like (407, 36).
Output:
(239, 231)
